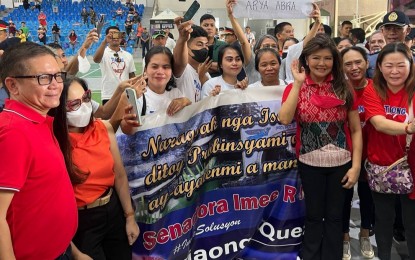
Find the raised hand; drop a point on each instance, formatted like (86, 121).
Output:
(298, 73)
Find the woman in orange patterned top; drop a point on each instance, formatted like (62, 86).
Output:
(107, 227)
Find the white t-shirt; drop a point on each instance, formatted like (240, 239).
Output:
(170, 43)
(251, 72)
(189, 84)
(114, 72)
(211, 83)
(159, 102)
(259, 84)
(294, 52)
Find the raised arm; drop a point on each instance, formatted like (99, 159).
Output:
(100, 51)
(315, 14)
(123, 191)
(246, 47)
(289, 107)
(73, 66)
(180, 52)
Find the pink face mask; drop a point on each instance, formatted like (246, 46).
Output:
(326, 101)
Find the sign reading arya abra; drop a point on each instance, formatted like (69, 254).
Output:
(273, 9)
(216, 181)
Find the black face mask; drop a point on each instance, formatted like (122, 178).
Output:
(284, 55)
(200, 55)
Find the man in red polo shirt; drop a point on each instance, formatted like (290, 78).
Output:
(38, 214)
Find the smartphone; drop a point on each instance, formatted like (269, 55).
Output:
(242, 75)
(191, 11)
(115, 35)
(137, 106)
(100, 24)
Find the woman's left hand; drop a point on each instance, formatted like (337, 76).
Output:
(132, 229)
(177, 104)
(350, 178)
(242, 84)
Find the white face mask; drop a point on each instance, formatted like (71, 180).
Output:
(80, 117)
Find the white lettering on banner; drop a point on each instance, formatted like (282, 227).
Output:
(268, 231)
(272, 9)
(218, 251)
(216, 226)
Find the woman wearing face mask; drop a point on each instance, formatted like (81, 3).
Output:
(230, 62)
(387, 105)
(355, 64)
(328, 143)
(160, 92)
(106, 223)
(267, 63)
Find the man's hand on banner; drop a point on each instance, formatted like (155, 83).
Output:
(177, 104)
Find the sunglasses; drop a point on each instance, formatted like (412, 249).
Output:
(75, 104)
(117, 57)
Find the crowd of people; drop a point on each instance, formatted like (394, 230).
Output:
(351, 98)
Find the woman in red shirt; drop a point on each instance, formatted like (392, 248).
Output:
(386, 113)
(106, 218)
(73, 39)
(328, 143)
(355, 65)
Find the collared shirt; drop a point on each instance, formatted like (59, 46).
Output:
(323, 137)
(42, 216)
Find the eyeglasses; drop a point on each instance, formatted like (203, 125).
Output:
(45, 79)
(117, 57)
(75, 104)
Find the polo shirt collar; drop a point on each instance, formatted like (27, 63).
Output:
(309, 81)
(24, 111)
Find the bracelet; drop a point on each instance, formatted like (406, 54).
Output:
(129, 214)
(407, 130)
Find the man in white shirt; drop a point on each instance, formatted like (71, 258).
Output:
(191, 51)
(116, 64)
(250, 36)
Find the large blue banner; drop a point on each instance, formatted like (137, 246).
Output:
(216, 181)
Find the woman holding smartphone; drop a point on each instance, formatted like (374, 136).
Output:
(106, 222)
(160, 92)
(328, 143)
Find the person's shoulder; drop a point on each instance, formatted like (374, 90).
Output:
(373, 56)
